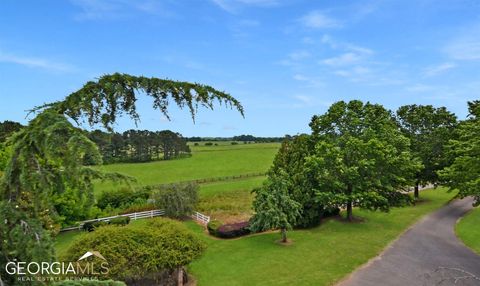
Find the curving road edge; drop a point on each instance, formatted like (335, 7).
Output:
(429, 253)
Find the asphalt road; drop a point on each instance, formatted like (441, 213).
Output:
(429, 253)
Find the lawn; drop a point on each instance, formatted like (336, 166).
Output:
(318, 256)
(468, 229)
(205, 162)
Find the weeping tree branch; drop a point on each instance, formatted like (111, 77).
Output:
(102, 101)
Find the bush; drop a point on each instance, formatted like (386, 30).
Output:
(88, 283)
(209, 144)
(178, 200)
(121, 221)
(234, 143)
(331, 212)
(93, 225)
(137, 251)
(213, 226)
(139, 208)
(123, 197)
(195, 144)
(233, 230)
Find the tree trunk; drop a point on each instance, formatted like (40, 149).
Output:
(415, 192)
(180, 276)
(349, 211)
(349, 204)
(284, 235)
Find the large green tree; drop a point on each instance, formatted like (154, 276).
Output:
(429, 130)
(360, 157)
(48, 155)
(301, 185)
(274, 207)
(464, 174)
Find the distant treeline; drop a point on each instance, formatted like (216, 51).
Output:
(139, 145)
(244, 138)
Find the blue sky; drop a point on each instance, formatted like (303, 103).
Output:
(284, 60)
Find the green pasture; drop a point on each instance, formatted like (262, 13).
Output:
(205, 162)
(468, 229)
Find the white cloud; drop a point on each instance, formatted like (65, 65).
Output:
(112, 9)
(34, 62)
(299, 55)
(309, 101)
(466, 46)
(318, 20)
(342, 60)
(311, 81)
(232, 6)
(438, 69)
(416, 88)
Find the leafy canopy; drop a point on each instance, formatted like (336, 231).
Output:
(464, 173)
(360, 157)
(102, 101)
(274, 208)
(429, 130)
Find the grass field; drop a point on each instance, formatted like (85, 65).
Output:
(228, 201)
(205, 162)
(468, 229)
(318, 256)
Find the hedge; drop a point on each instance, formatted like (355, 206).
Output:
(137, 251)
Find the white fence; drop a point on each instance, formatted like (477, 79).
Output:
(140, 215)
(201, 217)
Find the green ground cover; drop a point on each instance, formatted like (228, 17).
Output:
(318, 256)
(468, 229)
(205, 162)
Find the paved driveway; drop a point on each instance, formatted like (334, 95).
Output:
(429, 253)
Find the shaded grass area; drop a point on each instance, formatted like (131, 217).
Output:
(205, 162)
(468, 229)
(318, 256)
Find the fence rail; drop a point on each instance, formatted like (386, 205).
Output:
(201, 217)
(138, 215)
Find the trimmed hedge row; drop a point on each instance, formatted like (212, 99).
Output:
(92, 225)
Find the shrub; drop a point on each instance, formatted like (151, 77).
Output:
(92, 225)
(234, 143)
(213, 226)
(139, 208)
(233, 230)
(122, 197)
(134, 252)
(195, 144)
(209, 144)
(89, 283)
(178, 200)
(331, 212)
(121, 220)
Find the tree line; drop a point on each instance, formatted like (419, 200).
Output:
(363, 155)
(139, 145)
(242, 138)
